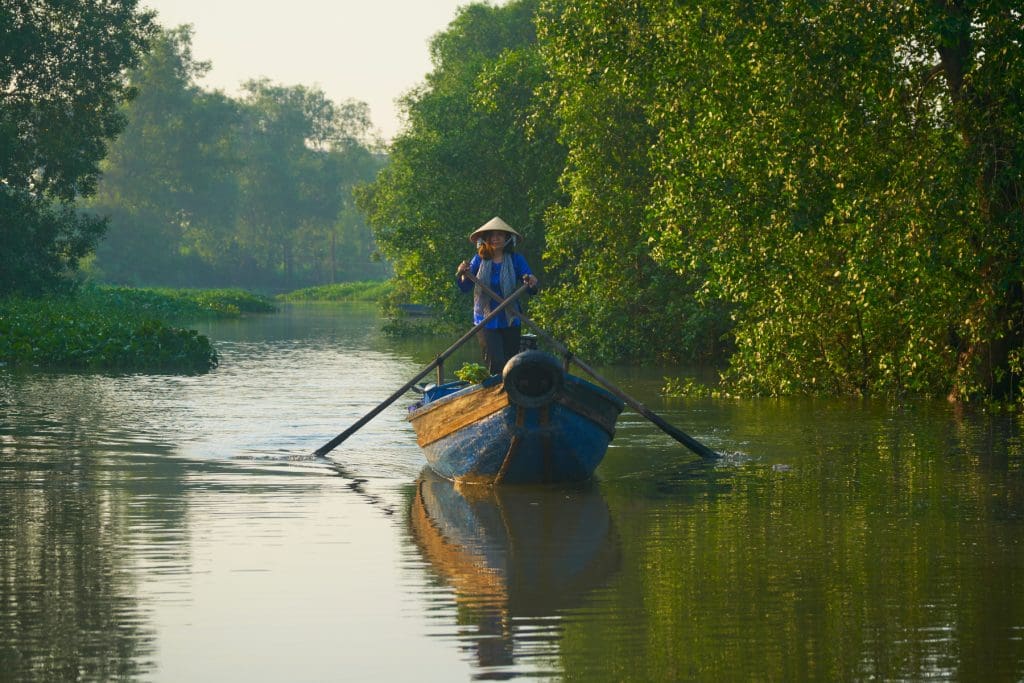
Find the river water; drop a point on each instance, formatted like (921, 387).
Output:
(170, 528)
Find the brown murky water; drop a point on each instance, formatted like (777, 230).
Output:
(166, 528)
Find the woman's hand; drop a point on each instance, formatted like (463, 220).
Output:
(461, 270)
(531, 281)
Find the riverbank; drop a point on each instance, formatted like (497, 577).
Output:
(118, 328)
(367, 291)
(402, 320)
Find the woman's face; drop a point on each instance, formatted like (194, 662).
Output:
(496, 238)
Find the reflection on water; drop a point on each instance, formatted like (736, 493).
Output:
(122, 495)
(517, 559)
(172, 528)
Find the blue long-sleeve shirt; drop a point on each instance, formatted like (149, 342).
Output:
(466, 285)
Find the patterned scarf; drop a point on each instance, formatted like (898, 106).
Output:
(482, 302)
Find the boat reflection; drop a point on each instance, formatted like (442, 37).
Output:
(517, 558)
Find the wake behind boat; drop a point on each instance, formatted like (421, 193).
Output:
(534, 423)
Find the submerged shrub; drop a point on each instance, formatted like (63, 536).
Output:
(684, 386)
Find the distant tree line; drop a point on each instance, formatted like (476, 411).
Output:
(831, 196)
(207, 190)
(111, 155)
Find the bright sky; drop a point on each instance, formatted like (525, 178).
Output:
(368, 50)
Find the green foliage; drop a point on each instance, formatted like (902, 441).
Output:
(206, 189)
(613, 301)
(803, 201)
(107, 329)
(345, 291)
(842, 179)
(177, 304)
(1015, 367)
(479, 142)
(473, 373)
(62, 83)
(42, 242)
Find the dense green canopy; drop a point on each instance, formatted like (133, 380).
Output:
(840, 172)
(479, 143)
(832, 190)
(62, 82)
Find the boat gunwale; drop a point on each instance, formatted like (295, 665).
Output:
(490, 383)
(416, 413)
(580, 398)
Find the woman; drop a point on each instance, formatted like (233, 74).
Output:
(499, 267)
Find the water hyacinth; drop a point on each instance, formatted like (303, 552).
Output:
(117, 328)
(178, 304)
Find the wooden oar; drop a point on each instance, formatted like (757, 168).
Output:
(333, 443)
(677, 434)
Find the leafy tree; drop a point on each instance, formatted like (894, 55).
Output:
(828, 195)
(169, 183)
(479, 142)
(806, 163)
(62, 81)
(614, 300)
(298, 150)
(783, 175)
(979, 50)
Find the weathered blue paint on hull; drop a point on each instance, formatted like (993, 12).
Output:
(563, 441)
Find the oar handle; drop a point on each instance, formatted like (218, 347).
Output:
(677, 434)
(504, 303)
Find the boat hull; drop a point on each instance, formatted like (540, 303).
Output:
(479, 435)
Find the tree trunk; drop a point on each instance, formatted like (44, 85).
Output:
(983, 362)
(334, 258)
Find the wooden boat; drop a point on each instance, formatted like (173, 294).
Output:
(533, 423)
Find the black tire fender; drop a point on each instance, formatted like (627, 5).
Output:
(533, 378)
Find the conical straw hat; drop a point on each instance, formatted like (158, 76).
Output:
(494, 224)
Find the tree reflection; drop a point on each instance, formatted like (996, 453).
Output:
(887, 547)
(69, 515)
